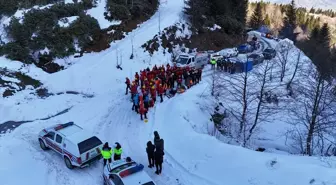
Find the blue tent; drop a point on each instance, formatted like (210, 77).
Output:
(246, 67)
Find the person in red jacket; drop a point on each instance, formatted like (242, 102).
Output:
(142, 109)
(151, 103)
(160, 89)
(128, 85)
(137, 78)
(153, 93)
(134, 89)
(142, 77)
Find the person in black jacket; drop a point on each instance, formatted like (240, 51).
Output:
(150, 153)
(158, 142)
(158, 156)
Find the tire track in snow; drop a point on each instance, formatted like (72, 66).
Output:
(124, 125)
(64, 176)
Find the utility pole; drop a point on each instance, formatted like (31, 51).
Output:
(159, 22)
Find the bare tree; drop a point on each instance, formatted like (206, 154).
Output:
(284, 49)
(263, 110)
(244, 96)
(314, 115)
(297, 66)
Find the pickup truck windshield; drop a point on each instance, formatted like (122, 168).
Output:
(182, 60)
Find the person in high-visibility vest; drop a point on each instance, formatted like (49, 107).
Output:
(117, 152)
(106, 152)
(213, 62)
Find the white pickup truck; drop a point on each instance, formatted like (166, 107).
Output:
(77, 147)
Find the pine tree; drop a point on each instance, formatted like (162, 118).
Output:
(289, 22)
(291, 14)
(324, 36)
(267, 20)
(257, 17)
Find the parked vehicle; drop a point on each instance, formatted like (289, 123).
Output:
(124, 172)
(269, 53)
(77, 147)
(256, 58)
(230, 52)
(194, 60)
(245, 48)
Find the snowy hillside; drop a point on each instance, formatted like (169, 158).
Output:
(91, 92)
(324, 4)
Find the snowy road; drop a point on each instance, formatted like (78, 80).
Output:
(193, 157)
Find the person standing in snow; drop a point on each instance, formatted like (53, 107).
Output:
(128, 85)
(136, 103)
(117, 151)
(150, 153)
(146, 101)
(160, 92)
(158, 157)
(142, 110)
(106, 152)
(137, 78)
(153, 93)
(158, 142)
(134, 89)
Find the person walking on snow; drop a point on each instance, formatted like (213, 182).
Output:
(117, 151)
(136, 103)
(128, 85)
(106, 152)
(150, 153)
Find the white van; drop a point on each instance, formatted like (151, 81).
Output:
(77, 147)
(195, 60)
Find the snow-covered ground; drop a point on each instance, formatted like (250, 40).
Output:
(192, 156)
(98, 13)
(65, 22)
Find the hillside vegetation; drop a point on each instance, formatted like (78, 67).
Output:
(39, 37)
(274, 14)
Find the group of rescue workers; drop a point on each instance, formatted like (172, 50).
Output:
(157, 82)
(223, 64)
(154, 152)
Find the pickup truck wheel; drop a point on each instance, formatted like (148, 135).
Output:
(42, 145)
(68, 163)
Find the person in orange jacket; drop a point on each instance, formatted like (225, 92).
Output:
(137, 78)
(160, 91)
(153, 93)
(142, 110)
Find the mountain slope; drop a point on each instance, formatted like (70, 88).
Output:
(193, 157)
(324, 4)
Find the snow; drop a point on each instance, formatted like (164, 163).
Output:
(98, 13)
(324, 4)
(192, 156)
(65, 22)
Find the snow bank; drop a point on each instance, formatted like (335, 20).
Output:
(213, 162)
(65, 22)
(98, 13)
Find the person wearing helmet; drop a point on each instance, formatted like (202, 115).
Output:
(137, 78)
(153, 92)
